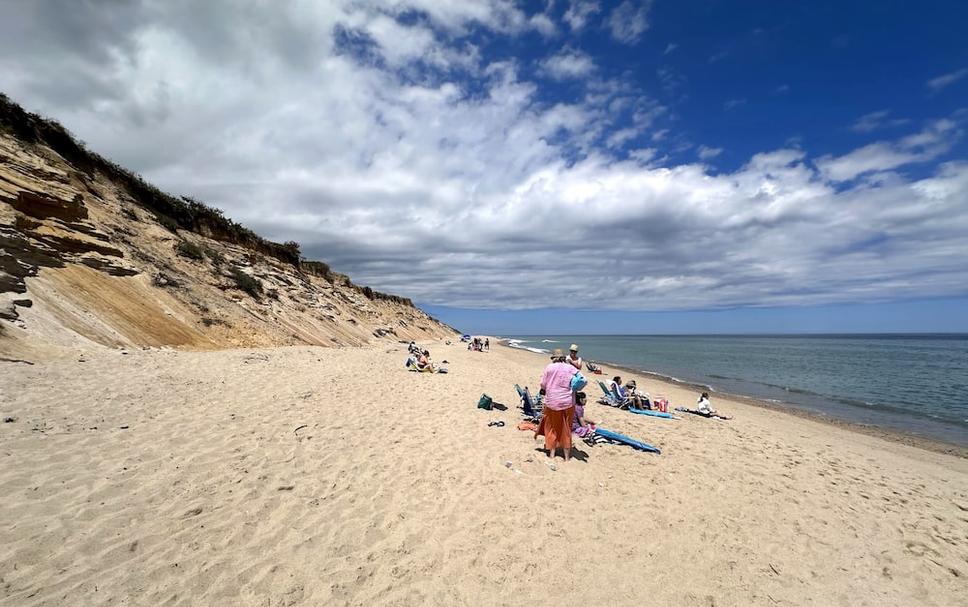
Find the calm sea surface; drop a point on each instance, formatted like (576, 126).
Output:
(914, 383)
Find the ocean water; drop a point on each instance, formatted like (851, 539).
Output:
(917, 384)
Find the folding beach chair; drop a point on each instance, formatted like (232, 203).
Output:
(530, 407)
(609, 397)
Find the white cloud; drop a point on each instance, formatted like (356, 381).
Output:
(875, 121)
(579, 12)
(406, 158)
(946, 80)
(644, 155)
(706, 153)
(670, 48)
(568, 63)
(926, 145)
(629, 20)
(543, 24)
(731, 104)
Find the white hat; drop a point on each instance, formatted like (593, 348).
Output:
(574, 347)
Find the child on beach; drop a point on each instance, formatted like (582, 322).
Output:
(581, 426)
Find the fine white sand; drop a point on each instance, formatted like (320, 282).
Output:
(312, 476)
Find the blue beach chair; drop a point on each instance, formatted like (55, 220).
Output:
(531, 407)
(610, 398)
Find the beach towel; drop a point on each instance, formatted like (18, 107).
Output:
(555, 426)
(701, 413)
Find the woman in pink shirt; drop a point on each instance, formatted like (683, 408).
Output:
(559, 405)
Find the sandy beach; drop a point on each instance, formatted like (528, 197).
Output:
(312, 476)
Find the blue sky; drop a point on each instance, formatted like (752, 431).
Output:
(921, 316)
(639, 164)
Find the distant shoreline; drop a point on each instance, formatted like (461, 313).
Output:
(891, 434)
(954, 335)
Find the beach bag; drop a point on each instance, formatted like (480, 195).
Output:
(485, 402)
(578, 382)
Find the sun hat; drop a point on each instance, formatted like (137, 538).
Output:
(557, 353)
(574, 347)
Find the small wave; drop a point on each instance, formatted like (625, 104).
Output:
(516, 343)
(549, 341)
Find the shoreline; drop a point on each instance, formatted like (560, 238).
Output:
(890, 434)
(312, 475)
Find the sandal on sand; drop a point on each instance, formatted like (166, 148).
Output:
(499, 424)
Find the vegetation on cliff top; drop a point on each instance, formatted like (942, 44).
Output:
(183, 212)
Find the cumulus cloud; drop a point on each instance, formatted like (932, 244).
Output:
(579, 12)
(629, 20)
(543, 24)
(946, 80)
(383, 139)
(568, 64)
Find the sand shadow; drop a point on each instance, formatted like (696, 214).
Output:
(576, 453)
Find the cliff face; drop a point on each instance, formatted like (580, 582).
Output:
(90, 253)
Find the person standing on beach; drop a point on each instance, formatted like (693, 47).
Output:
(559, 405)
(573, 359)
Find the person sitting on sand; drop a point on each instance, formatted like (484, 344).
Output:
(413, 349)
(573, 359)
(581, 426)
(424, 363)
(559, 405)
(706, 408)
(703, 404)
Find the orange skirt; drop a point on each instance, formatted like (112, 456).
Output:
(555, 426)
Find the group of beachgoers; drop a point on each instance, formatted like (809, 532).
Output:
(563, 412)
(563, 401)
(420, 359)
(479, 345)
